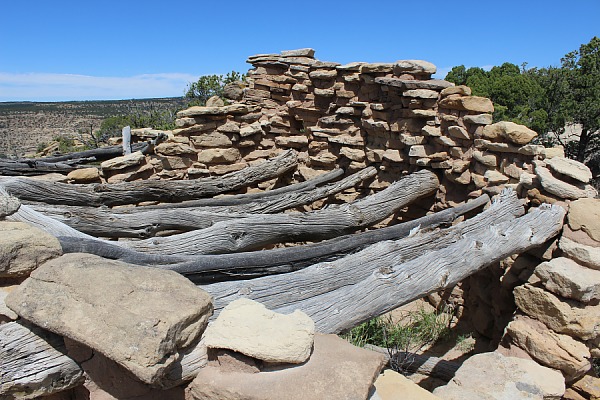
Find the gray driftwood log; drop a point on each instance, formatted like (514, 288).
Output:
(389, 288)
(256, 231)
(261, 230)
(144, 222)
(313, 281)
(245, 198)
(221, 267)
(32, 363)
(138, 191)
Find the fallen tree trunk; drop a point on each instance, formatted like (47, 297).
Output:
(261, 230)
(138, 191)
(222, 267)
(31, 167)
(238, 199)
(311, 282)
(143, 222)
(389, 288)
(99, 154)
(33, 363)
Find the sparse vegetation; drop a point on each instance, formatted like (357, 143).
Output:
(207, 86)
(465, 343)
(417, 331)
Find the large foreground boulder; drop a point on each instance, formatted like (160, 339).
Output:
(136, 316)
(492, 376)
(336, 370)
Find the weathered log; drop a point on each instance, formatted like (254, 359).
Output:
(143, 222)
(135, 192)
(389, 288)
(311, 282)
(261, 230)
(238, 199)
(220, 267)
(30, 167)
(32, 363)
(99, 154)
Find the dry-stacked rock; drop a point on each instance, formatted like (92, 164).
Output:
(558, 323)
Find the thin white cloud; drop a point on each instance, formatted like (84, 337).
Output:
(63, 87)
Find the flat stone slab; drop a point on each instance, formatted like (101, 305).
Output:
(549, 348)
(584, 214)
(582, 253)
(559, 314)
(492, 376)
(566, 278)
(137, 316)
(572, 168)
(248, 327)
(336, 370)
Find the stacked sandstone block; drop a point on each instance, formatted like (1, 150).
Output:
(558, 318)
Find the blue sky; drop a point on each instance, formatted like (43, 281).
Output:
(88, 50)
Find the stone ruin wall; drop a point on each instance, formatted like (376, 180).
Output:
(395, 117)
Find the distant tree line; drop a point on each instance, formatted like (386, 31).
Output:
(547, 100)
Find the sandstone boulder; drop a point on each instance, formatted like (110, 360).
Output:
(23, 248)
(306, 52)
(584, 214)
(234, 91)
(250, 328)
(561, 315)
(549, 348)
(107, 380)
(414, 67)
(336, 370)
(467, 103)
(492, 376)
(461, 89)
(122, 162)
(583, 254)
(136, 316)
(84, 175)
(588, 385)
(559, 188)
(214, 156)
(6, 314)
(566, 278)
(215, 101)
(174, 149)
(572, 168)
(8, 205)
(391, 385)
(515, 133)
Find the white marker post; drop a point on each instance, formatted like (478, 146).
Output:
(126, 140)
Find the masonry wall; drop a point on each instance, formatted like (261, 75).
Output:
(395, 117)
